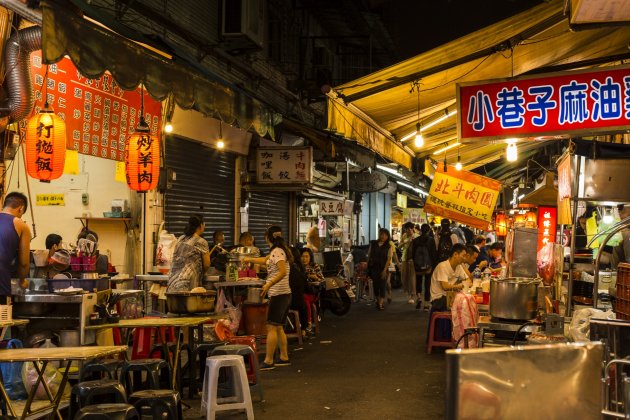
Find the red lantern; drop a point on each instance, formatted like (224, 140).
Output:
(519, 218)
(142, 159)
(45, 145)
(530, 219)
(501, 224)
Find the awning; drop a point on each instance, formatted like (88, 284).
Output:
(539, 38)
(94, 49)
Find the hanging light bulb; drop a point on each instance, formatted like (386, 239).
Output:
(458, 165)
(220, 142)
(168, 127)
(511, 152)
(419, 141)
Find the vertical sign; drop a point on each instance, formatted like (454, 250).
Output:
(564, 191)
(547, 220)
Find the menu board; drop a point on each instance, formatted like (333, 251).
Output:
(284, 165)
(99, 115)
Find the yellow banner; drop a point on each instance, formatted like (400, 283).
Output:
(50, 200)
(121, 173)
(463, 196)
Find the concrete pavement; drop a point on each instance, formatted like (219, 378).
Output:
(367, 364)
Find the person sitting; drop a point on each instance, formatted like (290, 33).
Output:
(482, 258)
(471, 256)
(448, 276)
(313, 275)
(496, 256)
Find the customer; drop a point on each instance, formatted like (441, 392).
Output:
(191, 257)
(424, 254)
(482, 257)
(313, 275)
(471, 257)
(297, 283)
(407, 269)
(247, 240)
(495, 255)
(379, 260)
(447, 276)
(15, 243)
(277, 285)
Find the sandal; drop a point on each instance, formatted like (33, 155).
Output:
(267, 366)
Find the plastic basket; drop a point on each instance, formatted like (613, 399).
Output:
(6, 313)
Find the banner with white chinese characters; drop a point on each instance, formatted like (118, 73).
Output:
(463, 196)
(99, 115)
(284, 165)
(415, 216)
(547, 106)
(546, 226)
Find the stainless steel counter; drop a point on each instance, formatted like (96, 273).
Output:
(48, 298)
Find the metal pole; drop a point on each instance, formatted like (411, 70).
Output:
(144, 233)
(578, 167)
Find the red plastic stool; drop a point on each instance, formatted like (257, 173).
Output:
(296, 331)
(433, 342)
(247, 340)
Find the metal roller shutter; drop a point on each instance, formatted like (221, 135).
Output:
(204, 184)
(268, 208)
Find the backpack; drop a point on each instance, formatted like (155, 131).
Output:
(444, 246)
(421, 258)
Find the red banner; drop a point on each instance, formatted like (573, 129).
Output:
(98, 114)
(545, 105)
(546, 226)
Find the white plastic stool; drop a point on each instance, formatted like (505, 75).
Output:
(241, 399)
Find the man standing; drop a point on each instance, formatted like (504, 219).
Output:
(15, 243)
(424, 254)
(407, 270)
(448, 276)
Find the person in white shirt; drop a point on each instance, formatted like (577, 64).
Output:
(448, 276)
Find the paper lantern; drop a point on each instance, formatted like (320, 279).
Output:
(501, 225)
(519, 218)
(45, 145)
(530, 217)
(142, 159)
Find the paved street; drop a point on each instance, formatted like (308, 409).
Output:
(368, 364)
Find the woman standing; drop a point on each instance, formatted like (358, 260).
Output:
(379, 260)
(277, 286)
(191, 257)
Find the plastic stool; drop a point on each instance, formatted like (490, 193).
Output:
(296, 325)
(315, 316)
(156, 369)
(252, 365)
(101, 391)
(108, 412)
(109, 367)
(158, 402)
(241, 399)
(436, 342)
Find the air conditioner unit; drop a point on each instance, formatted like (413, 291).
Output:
(243, 25)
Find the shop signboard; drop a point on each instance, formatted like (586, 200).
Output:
(415, 216)
(545, 106)
(401, 200)
(368, 181)
(463, 196)
(546, 226)
(99, 115)
(50, 200)
(564, 191)
(335, 207)
(284, 165)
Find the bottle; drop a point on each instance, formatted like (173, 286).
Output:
(487, 274)
(477, 274)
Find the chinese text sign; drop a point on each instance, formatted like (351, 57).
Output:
(545, 105)
(50, 200)
(463, 196)
(546, 226)
(99, 115)
(283, 165)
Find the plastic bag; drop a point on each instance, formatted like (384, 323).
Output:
(580, 327)
(546, 263)
(12, 375)
(234, 313)
(51, 376)
(164, 251)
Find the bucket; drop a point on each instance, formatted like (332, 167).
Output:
(253, 295)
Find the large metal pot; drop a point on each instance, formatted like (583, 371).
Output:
(189, 302)
(514, 298)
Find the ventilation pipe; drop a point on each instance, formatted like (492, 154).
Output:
(18, 83)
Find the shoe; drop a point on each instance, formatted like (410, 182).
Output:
(418, 304)
(267, 366)
(381, 307)
(281, 362)
(410, 301)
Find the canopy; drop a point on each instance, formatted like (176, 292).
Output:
(94, 49)
(537, 40)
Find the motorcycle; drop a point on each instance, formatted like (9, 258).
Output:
(334, 295)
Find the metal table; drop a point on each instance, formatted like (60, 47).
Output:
(13, 323)
(172, 321)
(45, 355)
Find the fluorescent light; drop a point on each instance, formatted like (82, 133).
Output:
(445, 148)
(390, 171)
(411, 187)
(520, 197)
(429, 125)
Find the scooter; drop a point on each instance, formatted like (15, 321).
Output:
(335, 295)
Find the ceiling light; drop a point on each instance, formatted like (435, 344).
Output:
(411, 187)
(458, 165)
(447, 147)
(220, 142)
(511, 152)
(390, 170)
(419, 141)
(446, 115)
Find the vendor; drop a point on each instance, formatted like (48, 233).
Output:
(448, 276)
(53, 244)
(102, 261)
(218, 254)
(191, 257)
(247, 240)
(15, 239)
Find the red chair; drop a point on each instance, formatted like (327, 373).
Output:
(247, 340)
(433, 330)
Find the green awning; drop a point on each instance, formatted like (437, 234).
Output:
(94, 49)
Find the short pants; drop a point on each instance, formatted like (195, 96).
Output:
(278, 309)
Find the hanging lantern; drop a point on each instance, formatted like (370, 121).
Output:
(501, 224)
(530, 217)
(142, 156)
(45, 145)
